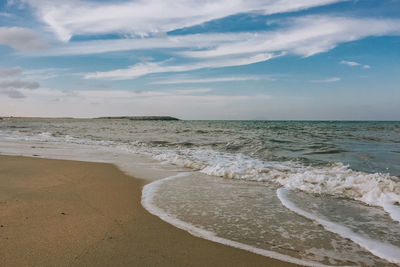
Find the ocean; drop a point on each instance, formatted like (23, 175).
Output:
(316, 193)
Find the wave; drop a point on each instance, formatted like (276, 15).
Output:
(386, 251)
(329, 151)
(280, 141)
(375, 189)
(150, 190)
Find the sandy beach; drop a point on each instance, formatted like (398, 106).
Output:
(69, 213)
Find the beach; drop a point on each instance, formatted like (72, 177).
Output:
(71, 213)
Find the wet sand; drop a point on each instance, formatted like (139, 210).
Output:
(70, 213)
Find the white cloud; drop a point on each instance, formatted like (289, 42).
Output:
(129, 95)
(10, 2)
(142, 18)
(193, 41)
(44, 74)
(103, 95)
(6, 72)
(11, 93)
(213, 80)
(13, 89)
(4, 14)
(354, 64)
(327, 80)
(193, 91)
(145, 68)
(18, 84)
(21, 39)
(350, 63)
(305, 36)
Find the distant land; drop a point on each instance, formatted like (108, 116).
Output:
(142, 118)
(137, 118)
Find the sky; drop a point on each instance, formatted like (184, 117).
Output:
(201, 59)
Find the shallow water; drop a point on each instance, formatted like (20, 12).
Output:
(342, 174)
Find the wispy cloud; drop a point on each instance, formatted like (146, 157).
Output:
(11, 93)
(354, 64)
(193, 91)
(304, 36)
(350, 63)
(15, 88)
(212, 80)
(12, 89)
(192, 41)
(6, 72)
(143, 18)
(18, 84)
(45, 74)
(121, 94)
(4, 14)
(145, 68)
(327, 80)
(10, 2)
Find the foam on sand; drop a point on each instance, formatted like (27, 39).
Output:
(385, 251)
(375, 189)
(151, 189)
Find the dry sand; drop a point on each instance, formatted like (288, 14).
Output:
(69, 213)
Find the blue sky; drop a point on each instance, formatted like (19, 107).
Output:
(201, 59)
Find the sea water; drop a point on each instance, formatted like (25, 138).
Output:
(313, 193)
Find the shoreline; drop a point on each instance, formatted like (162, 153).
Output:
(61, 212)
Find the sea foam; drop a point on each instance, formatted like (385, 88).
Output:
(375, 189)
(386, 251)
(150, 190)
